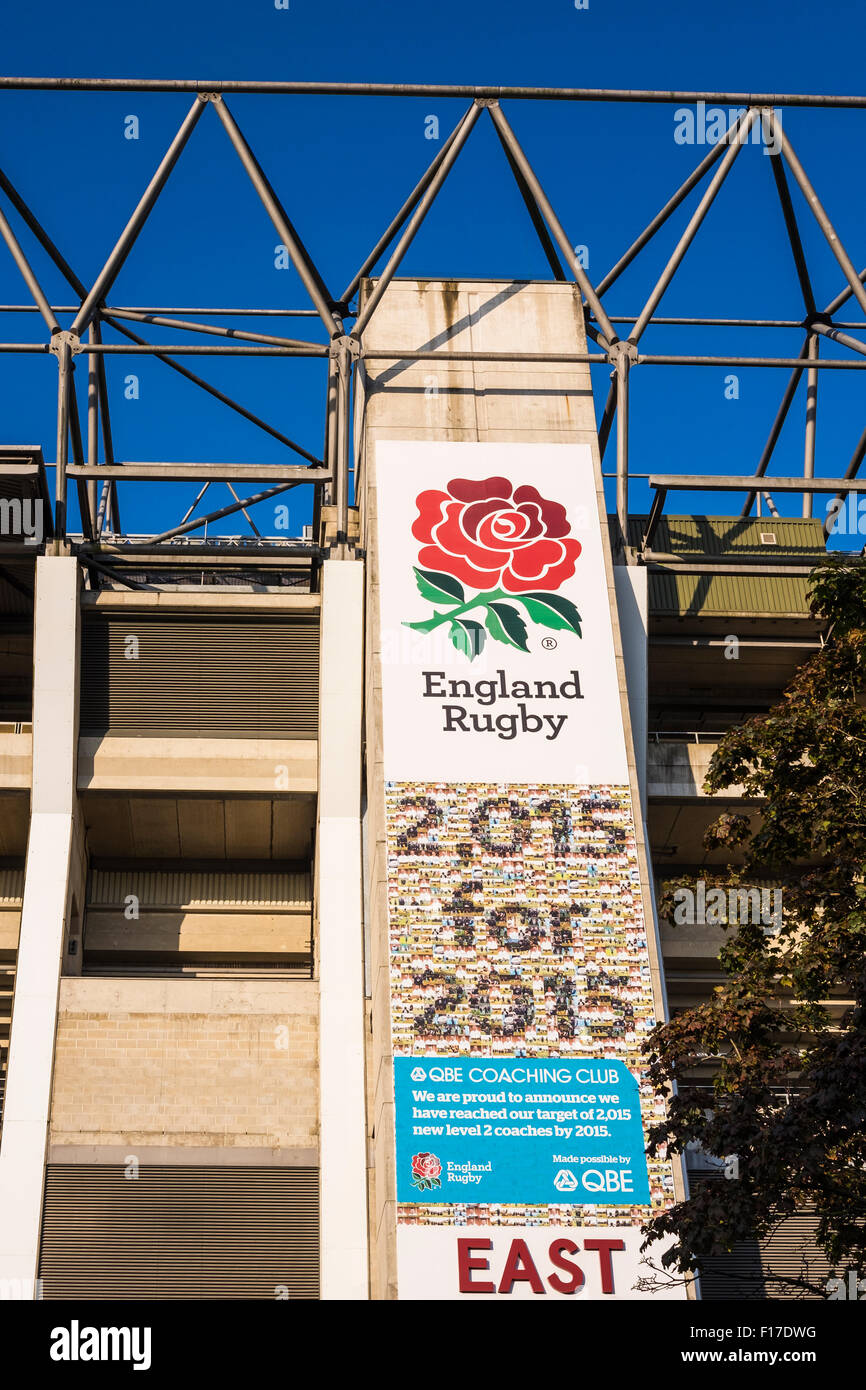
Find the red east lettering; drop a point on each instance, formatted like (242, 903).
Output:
(519, 1268)
(604, 1248)
(466, 1264)
(558, 1250)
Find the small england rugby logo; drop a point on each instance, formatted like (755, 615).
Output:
(425, 1171)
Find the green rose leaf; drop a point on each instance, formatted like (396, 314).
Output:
(505, 624)
(438, 588)
(467, 637)
(552, 610)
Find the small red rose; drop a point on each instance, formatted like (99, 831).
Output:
(426, 1166)
(488, 534)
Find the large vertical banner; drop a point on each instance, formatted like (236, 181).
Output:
(520, 958)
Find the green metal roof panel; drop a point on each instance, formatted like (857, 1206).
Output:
(734, 595)
(706, 536)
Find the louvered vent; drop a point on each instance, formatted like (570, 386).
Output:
(179, 1232)
(7, 989)
(774, 1268)
(205, 677)
(197, 922)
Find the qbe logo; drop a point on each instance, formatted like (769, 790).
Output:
(418, 1074)
(565, 1181)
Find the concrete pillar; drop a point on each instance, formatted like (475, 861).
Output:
(342, 1133)
(632, 603)
(24, 1138)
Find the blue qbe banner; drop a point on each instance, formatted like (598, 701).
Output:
(518, 1130)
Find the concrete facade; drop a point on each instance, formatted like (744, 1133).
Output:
(52, 879)
(340, 937)
(187, 1064)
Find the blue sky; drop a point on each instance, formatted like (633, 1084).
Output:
(342, 167)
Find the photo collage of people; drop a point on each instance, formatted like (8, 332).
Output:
(517, 930)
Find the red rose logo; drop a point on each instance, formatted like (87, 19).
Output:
(511, 543)
(425, 1171)
(490, 536)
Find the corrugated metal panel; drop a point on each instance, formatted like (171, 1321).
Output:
(732, 595)
(760, 1270)
(109, 888)
(205, 676)
(11, 887)
(179, 1232)
(7, 990)
(202, 970)
(706, 536)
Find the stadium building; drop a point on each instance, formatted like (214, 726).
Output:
(299, 892)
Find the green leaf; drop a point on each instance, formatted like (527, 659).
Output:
(468, 637)
(552, 610)
(438, 588)
(505, 624)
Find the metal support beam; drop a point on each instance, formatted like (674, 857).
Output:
(87, 559)
(43, 238)
(426, 89)
(655, 516)
(726, 482)
(607, 416)
(78, 455)
(214, 330)
(341, 481)
(534, 211)
(252, 525)
(109, 491)
(829, 330)
(64, 370)
(198, 521)
(217, 394)
(28, 275)
(92, 416)
(778, 170)
(818, 212)
(843, 296)
(186, 472)
(811, 422)
(622, 371)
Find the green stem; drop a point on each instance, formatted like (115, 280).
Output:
(438, 618)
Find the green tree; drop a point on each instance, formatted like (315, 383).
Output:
(789, 1086)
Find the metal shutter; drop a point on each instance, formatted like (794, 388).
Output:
(7, 987)
(758, 1270)
(206, 676)
(179, 1232)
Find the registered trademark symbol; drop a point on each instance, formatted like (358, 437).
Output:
(548, 643)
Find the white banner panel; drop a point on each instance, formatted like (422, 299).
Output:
(489, 1262)
(497, 547)
(520, 959)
